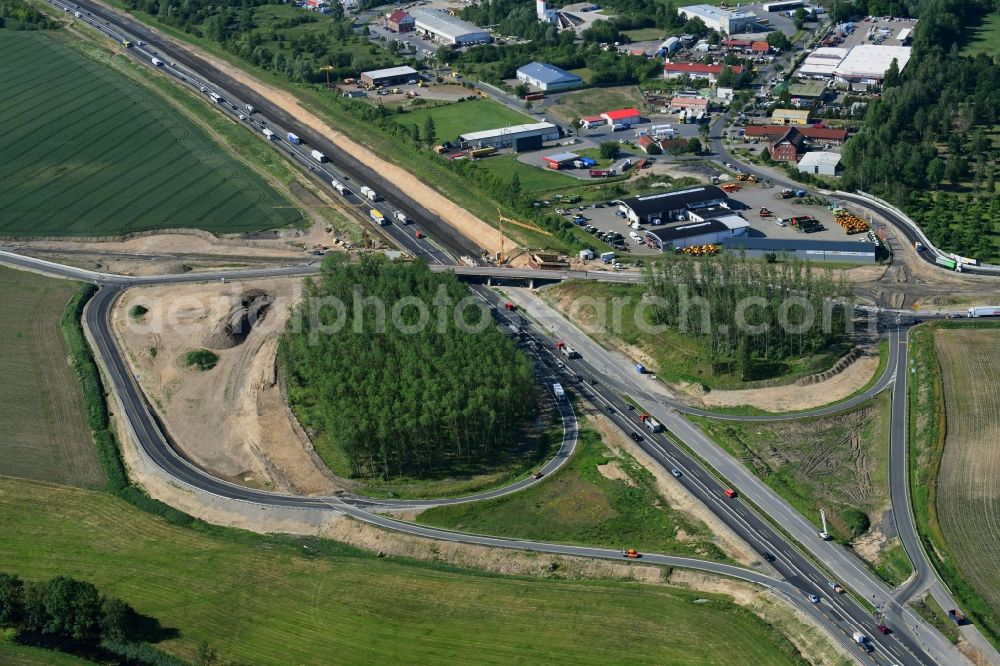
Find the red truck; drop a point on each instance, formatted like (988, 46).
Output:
(599, 173)
(730, 493)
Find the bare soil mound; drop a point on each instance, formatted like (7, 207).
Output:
(232, 330)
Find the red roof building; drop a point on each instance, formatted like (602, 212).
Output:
(400, 21)
(644, 142)
(760, 47)
(736, 44)
(673, 70)
(787, 147)
(693, 103)
(827, 134)
(625, 117)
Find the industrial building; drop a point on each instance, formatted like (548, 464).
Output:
(388, 77)
(811, 250)
(671, 205)
(626, 117)
(521, 137)
(446, 29)
(698, 231)
(822, 62)
(826, 134)
(868, 63)
(547, 77)
(730, 21)
(782, 6)
(790, 117)
(589, 122)
(400, 21)
(695, 70)
(820, 163)
(560, 160)
(696, 104)
(787, 147)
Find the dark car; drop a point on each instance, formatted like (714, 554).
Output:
(635, 436)
(768, 557)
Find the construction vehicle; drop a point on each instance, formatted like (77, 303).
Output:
(851, 223)
(729, 188)
(785, 194)
(824, 535)
(764, 212)
(502, 256)
(631, 553)
(482, 152)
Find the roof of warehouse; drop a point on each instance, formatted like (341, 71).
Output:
(561, 157)
(657, 203)
(790, 113)
(715, 13)
(511, 129)
(871, 60)
(819, 158)
(688, 229)
(441, 22)
(399, 15)
(390, 71)
(794, 244)
(621, 114)
(548, 73)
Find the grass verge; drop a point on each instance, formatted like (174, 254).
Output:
(599, 497)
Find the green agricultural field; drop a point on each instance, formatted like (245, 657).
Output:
(44, 433)
(22, 655)
(598, 498)
(268, 600)
(87, 152)
(456, 118)
(985, 37)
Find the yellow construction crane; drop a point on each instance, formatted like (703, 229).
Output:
(502, 257)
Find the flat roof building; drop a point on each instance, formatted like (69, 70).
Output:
(730, 21)
(700, 231)
(820, 163)
(868, 63)
(503, 137)
(696, 70)
(626, 117)
(558, 160)
(547, 77)
(444, 28)
(790, 117)
(671, 205)
(388, 77)
(810, 250)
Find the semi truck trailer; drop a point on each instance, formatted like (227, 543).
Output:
(294, 139)
(377, 215)
(369, 193)
(401, 217)
(157, 62)
(987, 311)
(339, 186)
(268, 133)
(318, 156)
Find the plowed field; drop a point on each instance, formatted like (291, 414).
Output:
(968, 499)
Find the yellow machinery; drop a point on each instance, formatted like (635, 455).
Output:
(502, 257)
(327, 69)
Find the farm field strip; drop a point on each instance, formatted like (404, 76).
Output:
(92, 152)
(968, 498)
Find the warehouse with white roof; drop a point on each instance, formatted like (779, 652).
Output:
(504, 137)
(730, 21)
(868, 63)
(444, 28)
(822, 62)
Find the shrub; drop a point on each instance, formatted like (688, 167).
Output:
(202, 359)
(137, 311)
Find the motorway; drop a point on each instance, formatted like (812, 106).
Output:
(840, 613)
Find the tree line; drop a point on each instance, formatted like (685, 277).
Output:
(19, 15)
(73, 616)
(748, 312)
(928, 131)
(398, 401)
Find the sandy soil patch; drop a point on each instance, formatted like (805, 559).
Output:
(791, 397)
(674, 493)
(612, 470)
(230, 419)
(479, 232)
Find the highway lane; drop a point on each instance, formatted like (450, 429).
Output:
(440, 244)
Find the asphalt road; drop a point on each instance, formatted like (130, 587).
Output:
(798, 569)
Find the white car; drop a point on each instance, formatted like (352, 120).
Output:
(780, 222)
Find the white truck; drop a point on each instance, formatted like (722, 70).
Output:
(318, 156)
(157, 62)
(401, 217)
(339, 186)
(557, 389)
(653, 425)
(250, 109)
(369, 193)
(862, 641)
(269, 134)
(568, 352)
(216, 97)
(987, 311)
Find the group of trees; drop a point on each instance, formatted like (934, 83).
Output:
(19, 15)
(927, 130)
(73, 616)
(398, 392)
(747, 312)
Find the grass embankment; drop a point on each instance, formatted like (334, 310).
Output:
(133, 163)
(618, 508)
(269, 600)
(23, 655)
(931, 611)
(838, 463)
(453, 119)
(44, 432)
(953, 420)
(675, 357)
